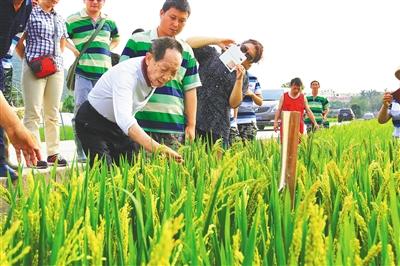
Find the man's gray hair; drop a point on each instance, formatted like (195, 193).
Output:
(160, 45)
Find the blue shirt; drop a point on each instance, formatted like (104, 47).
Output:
(246, 112)
(12, 22)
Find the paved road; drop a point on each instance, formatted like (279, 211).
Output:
(267, 134)
(67, 148)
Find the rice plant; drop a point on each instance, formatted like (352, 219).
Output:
(216, 209)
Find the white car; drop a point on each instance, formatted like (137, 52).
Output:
(368, 116)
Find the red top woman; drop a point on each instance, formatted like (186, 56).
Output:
(294, 100)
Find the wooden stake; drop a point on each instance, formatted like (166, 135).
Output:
(290, 141)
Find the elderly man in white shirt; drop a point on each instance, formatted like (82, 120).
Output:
(106, 124)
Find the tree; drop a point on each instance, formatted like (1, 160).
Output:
(357, 110)
(285, 85)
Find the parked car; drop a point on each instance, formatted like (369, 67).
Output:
(368, 116)
(333, 113)
(265, 114)
(345, 114)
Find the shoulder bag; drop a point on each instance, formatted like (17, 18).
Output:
(72, 68)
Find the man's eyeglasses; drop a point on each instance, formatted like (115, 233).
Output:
(245, 50)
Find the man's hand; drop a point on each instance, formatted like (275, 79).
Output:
(276, 126)
(387, 99)
(240, 72)
(24, 142)
(171, 154)
(249, 93)
(223, 43)
(190, 133)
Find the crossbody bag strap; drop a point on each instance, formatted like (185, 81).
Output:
(55, 34)
(86, 45)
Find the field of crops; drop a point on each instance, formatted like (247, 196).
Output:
(214, 210)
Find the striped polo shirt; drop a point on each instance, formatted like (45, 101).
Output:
(246, 112)
(97, 58)
(317, 105)
(164, 113)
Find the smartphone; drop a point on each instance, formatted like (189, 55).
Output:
(232, 57)
(396, 95)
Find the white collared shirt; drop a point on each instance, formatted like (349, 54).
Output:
(121, 92)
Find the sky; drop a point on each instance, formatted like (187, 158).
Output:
(348, 45)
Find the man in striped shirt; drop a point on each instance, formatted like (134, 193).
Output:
(319, 105)
(170, 113)
(97, 58)
(246, 116)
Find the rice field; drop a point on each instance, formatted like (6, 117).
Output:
(217, 210)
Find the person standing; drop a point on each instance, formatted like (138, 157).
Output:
(96, 60)
(106, 124)
(246, 114)
(319, 105)
(14, 15)
(170, 115)
(221, 90)
(45, 34)
(294, 100)
(391, 109)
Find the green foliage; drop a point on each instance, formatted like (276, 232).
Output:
(66, 133)
(368, 101)
(357, 110)
(68, 104)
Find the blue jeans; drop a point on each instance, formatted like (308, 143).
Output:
(82, 88)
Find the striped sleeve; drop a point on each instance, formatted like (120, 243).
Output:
(257, 89)
(191, 79)
(135, 48)
(114, 30)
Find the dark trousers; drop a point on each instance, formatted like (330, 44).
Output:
(2, 145)
(210, 138)
(2, 148)
(101, 137)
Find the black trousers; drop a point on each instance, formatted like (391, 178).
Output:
(2, 144)
(101, 137)
(210, 138)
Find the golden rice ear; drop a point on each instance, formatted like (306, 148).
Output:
(397, 73)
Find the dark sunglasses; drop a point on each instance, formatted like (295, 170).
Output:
(245, 50)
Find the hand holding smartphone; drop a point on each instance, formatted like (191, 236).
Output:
(232, 57)
(396, 95)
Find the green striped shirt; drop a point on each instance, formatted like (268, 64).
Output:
(318, 105)
(164, 113)
(97, 58)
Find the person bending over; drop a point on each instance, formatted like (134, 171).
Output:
(106, 124)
